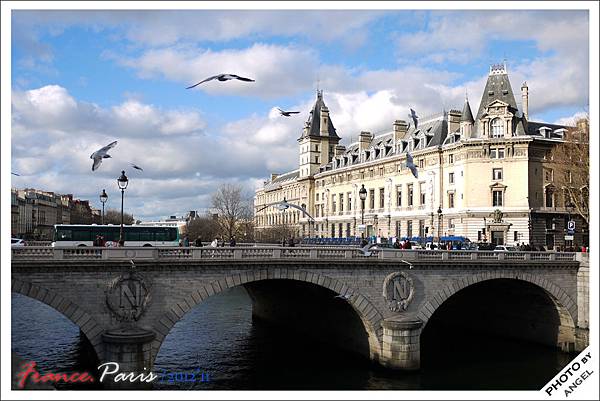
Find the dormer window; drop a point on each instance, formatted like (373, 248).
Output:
(497, 128)
(545, 132)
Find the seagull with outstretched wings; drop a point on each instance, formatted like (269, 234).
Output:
(135, 166)
(100, 154)
(222, 77)
(414, 117)
(18, 175)
(284, 205)
(411, 165)
(287, 113)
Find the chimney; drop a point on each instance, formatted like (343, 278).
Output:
(340, 150)
(400, 129)
(324, 131)
(525, 96)
(364, 140)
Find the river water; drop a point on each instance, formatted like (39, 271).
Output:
(220, 344)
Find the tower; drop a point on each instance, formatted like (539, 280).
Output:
(318, 140)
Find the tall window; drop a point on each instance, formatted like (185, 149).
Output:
(497, 198)
(371, 199)
(422, 193)
(497, 128)
(410, 195)
(409, 228)
(341, 202)
(497, 174)
(399, 195)
(349, 201)
(333, 204)
(451, 158)
(451, 178)
(549, 197)
(381, 198)
(421, 228)
(451, 200)
(398, 228)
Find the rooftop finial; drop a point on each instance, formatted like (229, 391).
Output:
(466, 95)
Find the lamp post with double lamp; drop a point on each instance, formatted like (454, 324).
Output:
(362, 194)
(439, 232)
(122, 182)
(103, 199)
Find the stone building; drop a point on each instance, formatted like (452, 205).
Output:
(487, 177)
(35, 212)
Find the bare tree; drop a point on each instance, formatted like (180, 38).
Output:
(113, 216)
(233, 206)
(571, 161)
(204, 227)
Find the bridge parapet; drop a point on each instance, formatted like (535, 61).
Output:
(266, 253)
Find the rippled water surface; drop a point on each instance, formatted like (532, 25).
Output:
(219, 338)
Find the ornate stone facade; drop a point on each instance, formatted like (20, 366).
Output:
(468, 168)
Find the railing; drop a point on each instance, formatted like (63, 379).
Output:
(272, 252)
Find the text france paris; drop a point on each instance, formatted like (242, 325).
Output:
(108, 369)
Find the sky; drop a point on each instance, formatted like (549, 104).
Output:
(81, 79)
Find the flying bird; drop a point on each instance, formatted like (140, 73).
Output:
(344, 297)
(287, 113)
(284, 205)
(411, 165)
(222, 77)
(18, 175)
(135, 166)
(101, 154)
(413, 115)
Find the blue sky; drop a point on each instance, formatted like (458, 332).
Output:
(81, 79)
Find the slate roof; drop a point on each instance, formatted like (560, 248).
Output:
(497, 87)
(314, 120)
(466, 114)
(284, 178)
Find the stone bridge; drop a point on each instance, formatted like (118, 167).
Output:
(126, 300)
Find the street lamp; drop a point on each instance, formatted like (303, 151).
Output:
(362, 193)
(439, 213)
(103, 199)
(122, 182)
(431, 225)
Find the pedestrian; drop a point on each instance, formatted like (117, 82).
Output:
(214, 243)
(198, 242)
(121, 243)
(291, 242)
(397, 244)
(283, 243)
(102, 242)
(232, 241)
(96, 241)
(186, 241)
(364, 242)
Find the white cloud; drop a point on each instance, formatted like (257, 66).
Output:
(571, 120)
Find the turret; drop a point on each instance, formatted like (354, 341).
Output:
(466, 120)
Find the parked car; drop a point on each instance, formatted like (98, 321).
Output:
(17, 242)
(504, 248)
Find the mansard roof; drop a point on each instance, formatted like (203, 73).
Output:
(314, 120)
(497, 87)
(279, 181)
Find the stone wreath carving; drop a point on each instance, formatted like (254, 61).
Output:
(127, 296)
(398, 291)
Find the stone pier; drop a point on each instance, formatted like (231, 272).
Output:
(401, 348)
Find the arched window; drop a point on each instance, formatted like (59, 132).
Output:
(497, 128)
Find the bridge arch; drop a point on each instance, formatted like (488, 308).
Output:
(82, 319)
(369, 315)
(566, 308)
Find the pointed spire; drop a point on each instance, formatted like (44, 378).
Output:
(466, 112)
